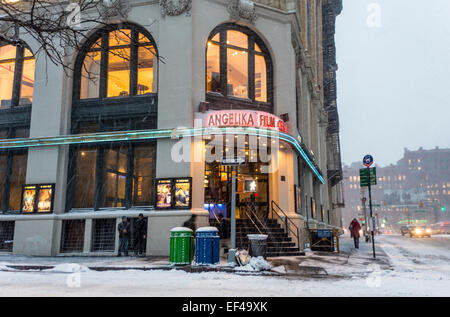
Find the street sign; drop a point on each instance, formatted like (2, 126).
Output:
(364, 176)
(368, 160)
(233, 161)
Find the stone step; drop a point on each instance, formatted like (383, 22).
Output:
(284, 253)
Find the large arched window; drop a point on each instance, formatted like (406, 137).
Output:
(238, 68)
(115, 89)
(16, 76)
(117, 62)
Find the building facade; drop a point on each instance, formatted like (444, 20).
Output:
(160, 92)
(415, 190)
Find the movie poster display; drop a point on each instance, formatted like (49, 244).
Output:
(29, 199)
(163, 193)
(174, 193)
(183, 193)
(38, 198)
(45, 198)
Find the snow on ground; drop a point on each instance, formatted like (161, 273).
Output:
(407, 267)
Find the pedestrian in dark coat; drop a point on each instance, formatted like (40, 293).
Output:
(190, 223)
(140, 235)
(354, 228)
(124, 236)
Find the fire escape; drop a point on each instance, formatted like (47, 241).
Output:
(331, 9)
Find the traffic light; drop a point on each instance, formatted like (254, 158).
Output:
(443, 208)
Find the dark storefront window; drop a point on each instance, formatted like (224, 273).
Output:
(13, 169)
(84, 178)
(114, 177)
(18, 174)
(3, 168)
(117, 175)
(143, 176)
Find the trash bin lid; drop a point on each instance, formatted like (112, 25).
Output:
(257, 236)
(181, 229)
(207, 229)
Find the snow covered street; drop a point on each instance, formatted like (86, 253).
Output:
(405, 267)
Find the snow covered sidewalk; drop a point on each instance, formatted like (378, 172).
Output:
(404, 267)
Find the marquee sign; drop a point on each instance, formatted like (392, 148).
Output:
(244, 118)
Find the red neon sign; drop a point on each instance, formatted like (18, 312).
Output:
(244, 118)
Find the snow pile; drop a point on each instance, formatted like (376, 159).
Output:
(255, 264)
(69, 268)
(4, 268)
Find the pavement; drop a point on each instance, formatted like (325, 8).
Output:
(315, 264)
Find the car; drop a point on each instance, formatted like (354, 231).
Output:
(442, 227)
(420, 232)
(404, 230)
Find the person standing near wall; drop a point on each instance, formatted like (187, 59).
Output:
(140, 235)
(124, 236)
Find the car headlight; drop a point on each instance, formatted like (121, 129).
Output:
(418, 231)
(428, 230)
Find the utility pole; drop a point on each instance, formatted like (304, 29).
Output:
(365, 173)
(371, 216)
(232, 251)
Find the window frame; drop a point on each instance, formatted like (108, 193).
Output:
(100, 169)
(7, 181)
(104, 50)
(221, 100)
(18, 60)
(132, 106)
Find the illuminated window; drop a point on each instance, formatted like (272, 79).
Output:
(238, 64)
(16, 76)
(118, 63)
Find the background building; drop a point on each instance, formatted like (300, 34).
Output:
(417, 187)
(81, 150)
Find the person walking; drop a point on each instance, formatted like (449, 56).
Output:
(140, 235)
(124, 236)
(354, 228)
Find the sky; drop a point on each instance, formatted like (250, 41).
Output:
(393, 77)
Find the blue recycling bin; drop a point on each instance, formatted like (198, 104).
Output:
(207, 251)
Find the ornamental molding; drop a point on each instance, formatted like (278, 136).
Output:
(114, 9)
(175, 7)
(7, 29)
(242, 10)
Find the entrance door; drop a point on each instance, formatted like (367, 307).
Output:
(252, 189)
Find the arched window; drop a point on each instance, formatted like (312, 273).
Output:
(115, 89)
(238, 68)
(117, 62)
(16, 76)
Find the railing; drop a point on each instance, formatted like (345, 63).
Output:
(213, 211)
(249, 213)
(288, 223)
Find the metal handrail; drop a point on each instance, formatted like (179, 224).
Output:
(213, 212)
(257, 218)
(286, 219)
(249, 217)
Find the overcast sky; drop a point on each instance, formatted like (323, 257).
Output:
(394, 79)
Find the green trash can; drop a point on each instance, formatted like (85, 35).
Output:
(181, 246)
